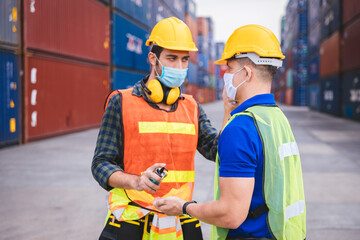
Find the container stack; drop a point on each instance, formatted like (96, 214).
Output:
(330, 56)
(66, 65)
(350, 59)
(314, 36)
(10, 87)
(219, 70)
(131, 25)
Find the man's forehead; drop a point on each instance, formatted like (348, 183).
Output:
(175, 52)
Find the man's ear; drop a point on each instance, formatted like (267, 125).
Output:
(249, 72)
(152, 58)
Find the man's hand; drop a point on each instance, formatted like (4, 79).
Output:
(171, 206)
(144, 182)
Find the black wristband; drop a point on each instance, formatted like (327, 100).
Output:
(185, 205)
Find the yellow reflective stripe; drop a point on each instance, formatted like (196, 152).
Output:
(179, 176)
(167, 127)
(190, 220)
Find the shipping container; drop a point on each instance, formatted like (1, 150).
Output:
(9, 22)
(138, 10)
(330, 55)
(123, 79)
(314, 95)
(313, 69)
(288, 96)
(192, 73)
(211, 67)
(314, 13)
(128, 44)
(74, 28)
(351, 95)
(159, 12)
(9, 98)
(203, 78)
(289, 78)
(212, 81)
(302, 48)
(300, 24)
(203, 26)
(288, 62)
(191, 89)
(177, 7)
(219, 50)
(299, 95)
(203, 44)
(190, 8)
(351, 10)
(203, 61)
(192, 24)
(62, 96)
(301, 72)
(330, 17)
(314, 39)
(350, 54)
(330, 91)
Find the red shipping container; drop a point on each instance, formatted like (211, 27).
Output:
(350, 55)
(192, 24)
(191, 89)
(78, 28)
(211, 67)
(203, 26)
(289, 96)
(62, 96)
(330, 56)
(351, 8)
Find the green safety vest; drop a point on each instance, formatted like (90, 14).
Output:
(282, 176)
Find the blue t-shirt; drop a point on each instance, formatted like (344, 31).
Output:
(241, 155)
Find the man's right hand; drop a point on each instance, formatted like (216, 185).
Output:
(144, 182)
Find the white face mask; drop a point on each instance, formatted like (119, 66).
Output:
(230, 89)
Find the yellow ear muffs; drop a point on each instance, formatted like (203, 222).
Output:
(172, 96)
(157, 93)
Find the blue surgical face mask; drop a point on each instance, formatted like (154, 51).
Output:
(171, 77)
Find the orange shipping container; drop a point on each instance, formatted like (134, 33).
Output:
(203, 26)
(330, 56)
(350, 54)
(351, 8)
(289, 96)
(62, 96)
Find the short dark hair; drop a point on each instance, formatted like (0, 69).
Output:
(156, 50)
(267, 71)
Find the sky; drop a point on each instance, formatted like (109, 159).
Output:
(229, 15)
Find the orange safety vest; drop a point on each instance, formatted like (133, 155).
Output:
(156, 136)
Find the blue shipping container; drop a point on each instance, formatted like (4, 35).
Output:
(330, 91)
(331, 17)
(125, 79)
(177, 7)
(351, 95)
(302, 48)
(128, 44)
(9, 98)
(203, 61)
(301, 72)
(314, 96)
(140, 10)
(313, 13)
(219, 50)
(314, 68)
(192, 73)
(203, 44)
(9, 22)
(314, 39)
(159, 12)
(299, 95)
(203, 78)
(190, 8)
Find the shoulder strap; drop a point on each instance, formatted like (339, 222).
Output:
(110, 96)
(257, 212)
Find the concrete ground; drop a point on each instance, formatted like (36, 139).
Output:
(42, 183)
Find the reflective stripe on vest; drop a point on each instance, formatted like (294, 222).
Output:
(282, 176)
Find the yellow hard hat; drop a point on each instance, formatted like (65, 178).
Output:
(172, 33)
(252, 38)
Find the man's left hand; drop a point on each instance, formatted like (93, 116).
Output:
(171, 206)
